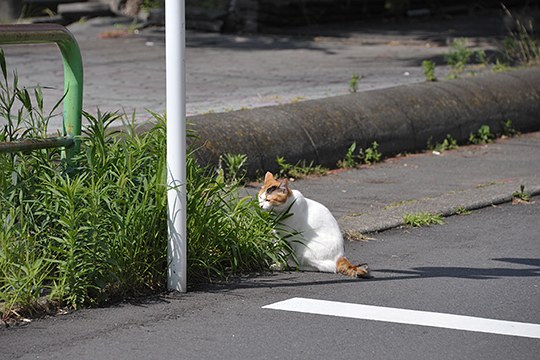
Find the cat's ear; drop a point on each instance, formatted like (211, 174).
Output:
(268, 177)
(284, 185)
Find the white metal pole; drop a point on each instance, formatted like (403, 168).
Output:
(176, 143)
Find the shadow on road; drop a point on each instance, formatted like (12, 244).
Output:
(467, 273)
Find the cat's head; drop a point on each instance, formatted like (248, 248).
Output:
(274, 193)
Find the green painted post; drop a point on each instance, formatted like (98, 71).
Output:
(73, 70)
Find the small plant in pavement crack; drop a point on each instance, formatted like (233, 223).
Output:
(482, 136)
(350, 160)
(521, 196)
(353, 83)
(428, 67)
(421, 219)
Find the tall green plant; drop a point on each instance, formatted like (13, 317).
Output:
(522, 45)
(95, 233)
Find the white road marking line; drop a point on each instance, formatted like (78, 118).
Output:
(411, 317)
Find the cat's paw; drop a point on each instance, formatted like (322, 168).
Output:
(363, 271)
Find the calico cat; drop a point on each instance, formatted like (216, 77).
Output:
(320, 244)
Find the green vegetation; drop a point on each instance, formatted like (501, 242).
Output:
(152, 4)
(372, 154)
(462, 211)
(232, 167)
(350, 160)
(428, 67)
(459, 55)
(521, 195)
(449, 143)
(522, 45)
(353, 83)
(299, 170)
(97, 232)
(508, 129)
(422, 219)
(369, 156)
(482, 136)
(500, 66)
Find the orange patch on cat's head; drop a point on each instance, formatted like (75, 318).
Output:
(273, 192)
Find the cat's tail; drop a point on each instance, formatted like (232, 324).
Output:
(346, 268)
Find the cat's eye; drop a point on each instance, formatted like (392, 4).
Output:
(271, 189)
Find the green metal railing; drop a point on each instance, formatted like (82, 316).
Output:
(73, 84)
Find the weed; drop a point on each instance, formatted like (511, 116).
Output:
(299, 170)
(428, 67)
(372, 154)
(459, 55)
(422, 219)
(500, 66)
(522, 46)
(232, 167)
(369, 156)
(521, 196)
(350, 160)
(508, 129)
(482, 136)
(449, 143)
(353, 83)
(481, 57)
(462, 211)
(76, 236)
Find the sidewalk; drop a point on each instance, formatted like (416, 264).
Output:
(375, 198)
(227, 72)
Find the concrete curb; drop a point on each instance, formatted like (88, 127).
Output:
(400, 119)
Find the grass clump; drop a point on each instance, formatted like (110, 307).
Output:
(522, 45)
(97, 232)
(299, 170)
(422, 219)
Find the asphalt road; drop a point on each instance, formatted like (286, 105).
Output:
(485, 264)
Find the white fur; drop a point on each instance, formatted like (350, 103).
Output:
(320, 242)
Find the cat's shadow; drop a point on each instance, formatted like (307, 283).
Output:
(467, 272)
(287, 279)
